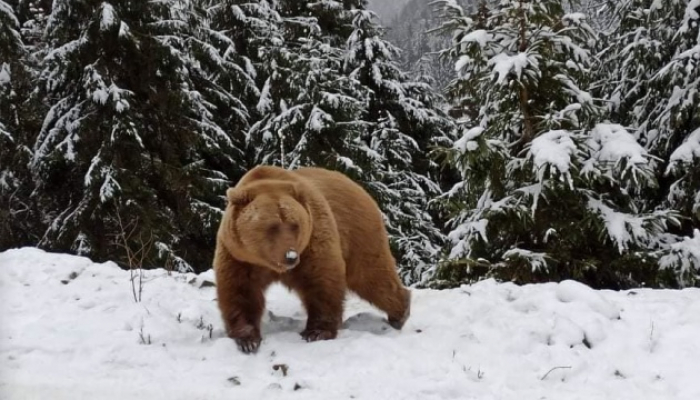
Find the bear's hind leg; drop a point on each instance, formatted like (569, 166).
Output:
(383, 289)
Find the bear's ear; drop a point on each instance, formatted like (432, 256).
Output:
(237, 197)
(299, 193)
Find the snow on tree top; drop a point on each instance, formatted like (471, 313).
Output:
(692, 12)
(684, 253)
(656, 5)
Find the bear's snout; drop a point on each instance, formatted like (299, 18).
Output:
(291, 258)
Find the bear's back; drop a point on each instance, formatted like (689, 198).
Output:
(360, 224)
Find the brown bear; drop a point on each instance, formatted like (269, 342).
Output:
(317, 232)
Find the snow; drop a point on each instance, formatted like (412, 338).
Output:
(612, 142)
(467, 142)
(479, 36)
(108, 18)
(318, 120)
(692, 14)
(459, 236)
(9, 13)
(71, 329)
(688, 151)
(684, 255)
(504, 64)
(576, 18)
(5, 74)
(462, 62)
(626, 229)
(124, 31)
(554, 149)
(537, 260)
(265, 102)
(610, 145)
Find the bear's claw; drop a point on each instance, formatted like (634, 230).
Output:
(248, 345)
(312, 335)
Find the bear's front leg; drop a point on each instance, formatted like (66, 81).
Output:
(321, 287)
(240, 292)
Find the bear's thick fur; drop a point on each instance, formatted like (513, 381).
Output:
(317, 232)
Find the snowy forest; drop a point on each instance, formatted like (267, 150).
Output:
(525, 140)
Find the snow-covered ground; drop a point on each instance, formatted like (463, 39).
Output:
(70, 329)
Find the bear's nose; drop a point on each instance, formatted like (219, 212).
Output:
(291, 257)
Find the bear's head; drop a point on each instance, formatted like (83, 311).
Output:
(268, 224)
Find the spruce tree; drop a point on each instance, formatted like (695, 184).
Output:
(131, 160)
(548, 192)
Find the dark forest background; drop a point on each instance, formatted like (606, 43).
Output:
(526, 140)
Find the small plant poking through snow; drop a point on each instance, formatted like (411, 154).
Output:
(144, 338)
(201, 325)
(135, 257)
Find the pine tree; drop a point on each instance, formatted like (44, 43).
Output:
(652, 84)
(547, 191)
(402, 123)
(130, 157)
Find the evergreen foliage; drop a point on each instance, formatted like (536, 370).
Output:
(548, 191)
(311, 108)
(411, 32)
(570, 152)
(403, 122)
(18, 216)
(247, 36)
(11, 50)
(156, 107)
(130, 154)
(652, 81)
(336, 98)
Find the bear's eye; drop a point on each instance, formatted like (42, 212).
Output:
(273, 229)
(294, 227)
